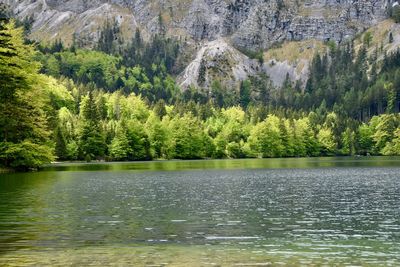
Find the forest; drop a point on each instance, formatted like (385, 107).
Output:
(120, 103)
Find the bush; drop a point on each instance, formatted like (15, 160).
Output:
(25, 155)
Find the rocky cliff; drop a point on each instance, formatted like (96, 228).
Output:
(214, 27)
(249, 24)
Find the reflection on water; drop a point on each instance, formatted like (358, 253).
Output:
(336, 215)
(232, 164)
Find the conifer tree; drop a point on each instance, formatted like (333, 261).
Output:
(24, 137)
(92, 142)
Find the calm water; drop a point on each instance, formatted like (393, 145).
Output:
(297, 212)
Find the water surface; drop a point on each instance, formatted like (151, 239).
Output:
(203, 213)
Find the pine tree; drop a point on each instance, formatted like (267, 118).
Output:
(92, 142)
(391, 37)
(119, 147)
(61, 145)
(24, 137)
(245, 93)
(108, 36)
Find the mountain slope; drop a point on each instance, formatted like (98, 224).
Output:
(252, 24)
(247, 25)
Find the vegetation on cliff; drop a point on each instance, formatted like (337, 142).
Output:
(77, 104)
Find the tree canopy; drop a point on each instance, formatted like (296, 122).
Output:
(78, 104)
(24, 133)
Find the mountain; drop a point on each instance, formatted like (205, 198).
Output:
(222, 34)
(142, 80)
(251, 24)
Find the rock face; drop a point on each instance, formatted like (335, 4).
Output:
(72, 19)
(250, 24)
(244, 24)
(323, 20)
(218, 60)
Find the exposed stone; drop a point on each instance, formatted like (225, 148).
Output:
(251, 24)
(217, 60)
(213, 27)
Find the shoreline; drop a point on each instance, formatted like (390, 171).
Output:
(244, 163)
(7, 170)
(55, 163)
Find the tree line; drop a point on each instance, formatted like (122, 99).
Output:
(74, 104)
(115, 126)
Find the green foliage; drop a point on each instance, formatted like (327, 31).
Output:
(119, 147)
(230, 130)
(341, 80)
(188, 137)
(131, 129)
(25, 155)
(391, 97)
(72, 152)
(265, 138)
(101, 106)
(61, 145)
(326, 141)
(83, 66)
(160, 51)
(332, 45)
(365, 139)
(222, 96)
(367, 38)
(23, 123)
(258, 55)
(245, 93)
(395, 13)
(91, 141)
(393, 148)
(108, 35)
(110, 73)
(384, 130)
(159, 137)
(138, 141)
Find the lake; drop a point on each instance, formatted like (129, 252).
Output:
(272, 212)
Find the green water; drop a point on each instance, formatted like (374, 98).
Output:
(276, 212)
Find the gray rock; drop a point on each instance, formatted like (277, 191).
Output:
(250, 24)
(209, 24)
